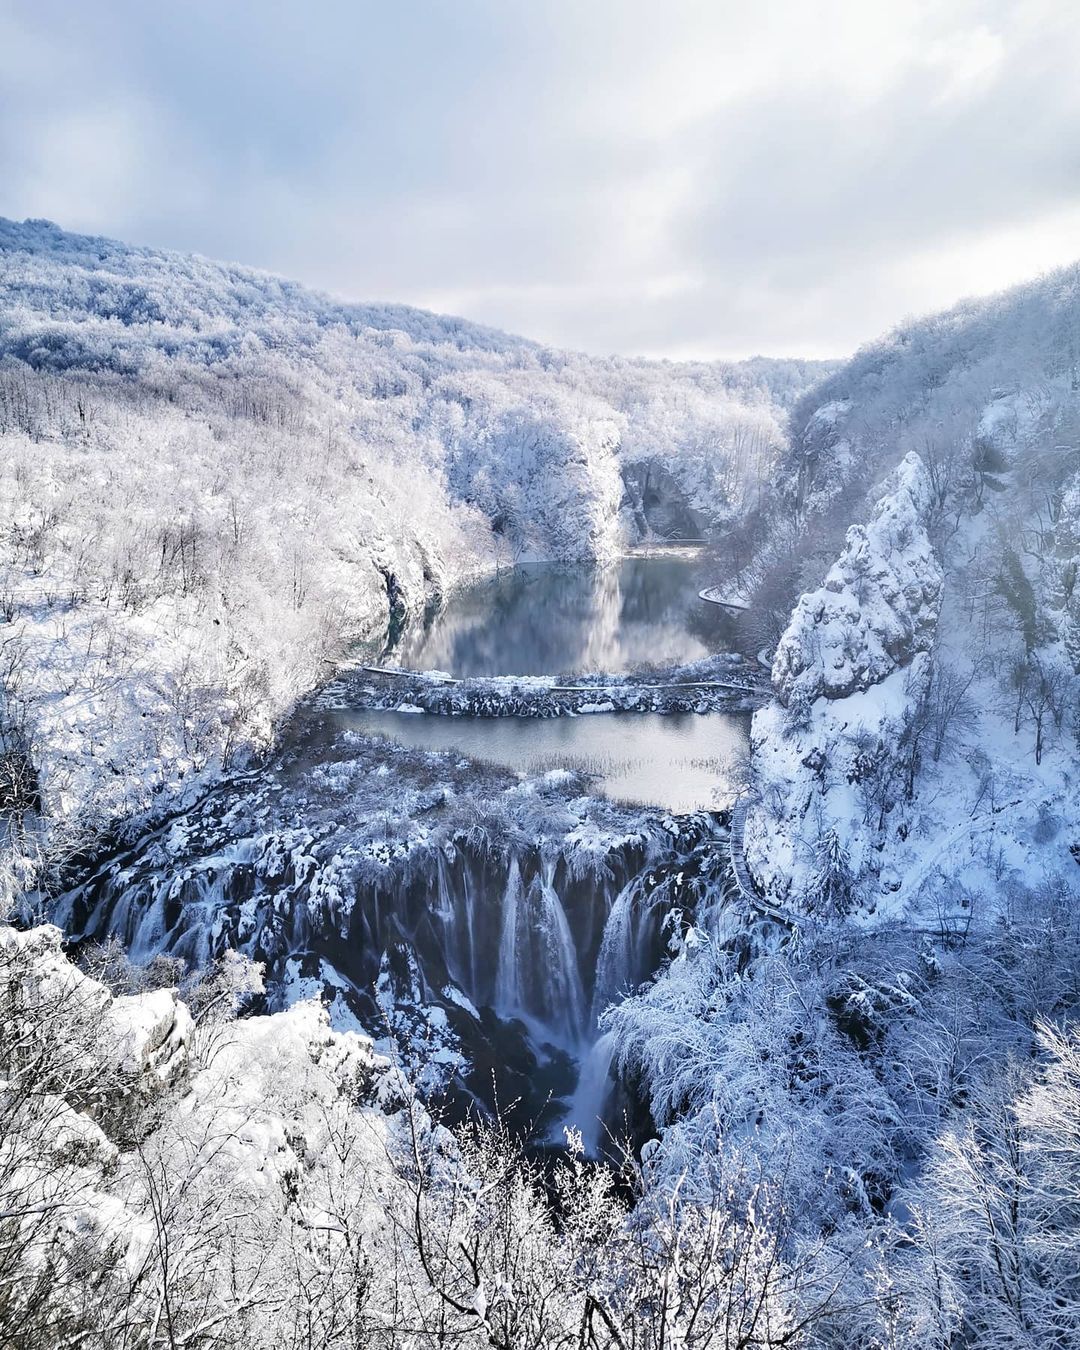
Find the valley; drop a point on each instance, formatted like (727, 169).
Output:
(397, 845)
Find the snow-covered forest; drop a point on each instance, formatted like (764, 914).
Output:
(214, 480)
(294, 1023)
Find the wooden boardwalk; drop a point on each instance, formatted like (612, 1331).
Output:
(715, 596)
(743, 877)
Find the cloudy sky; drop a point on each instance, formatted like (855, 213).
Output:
(677, 178)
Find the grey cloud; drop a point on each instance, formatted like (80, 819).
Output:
(547, 167)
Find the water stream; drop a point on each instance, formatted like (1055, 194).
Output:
(488, 921)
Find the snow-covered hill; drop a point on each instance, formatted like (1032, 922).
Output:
(884, 1016)
(854, 1095)
(961, 786)
(996, 376)
(211, 480)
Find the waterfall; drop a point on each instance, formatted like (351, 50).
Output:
(562, 996)
(628, 946)
(444, 900)
(538, 975)
(468, 891)
(591, 1096)
(614, 963)
(454, 907)
(507, 987)
(150, 930)
(524, 930)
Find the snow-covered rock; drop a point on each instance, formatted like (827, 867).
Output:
(851, 666)
(878, 605)
(153, 1032)
(275, 1145)
(146, 1035)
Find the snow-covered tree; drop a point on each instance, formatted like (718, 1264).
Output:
(850, 672)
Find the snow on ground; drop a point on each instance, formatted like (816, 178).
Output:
(920, 755)
(212, 481)
(267, 1148)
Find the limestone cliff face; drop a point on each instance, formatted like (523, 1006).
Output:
(877, 608)
(655, 506)
(848, 672)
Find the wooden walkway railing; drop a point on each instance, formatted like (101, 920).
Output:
(744, 879)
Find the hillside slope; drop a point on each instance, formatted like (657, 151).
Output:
(947, 794)
(882, 1013)
(213, 480)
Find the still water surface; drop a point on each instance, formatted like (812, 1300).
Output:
(544, 619)
(681, 761)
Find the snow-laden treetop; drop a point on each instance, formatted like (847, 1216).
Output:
(877, 607)
(86, 302)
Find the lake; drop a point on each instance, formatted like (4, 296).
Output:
(544, 619)
(549, 619)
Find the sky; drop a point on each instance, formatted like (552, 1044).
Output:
(679, 178)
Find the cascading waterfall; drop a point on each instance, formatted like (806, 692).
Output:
(456, 909)
(538, 973)
(627, 954)
(627, 948)
(518, 949)
(562, 994)
(616, 956)
(591, 1096)
(507, 988)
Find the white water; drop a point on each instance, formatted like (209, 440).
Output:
(616, 957)
(594, 1088)
(537, 977)
(507, 987)
(459, 922)
(563, 995)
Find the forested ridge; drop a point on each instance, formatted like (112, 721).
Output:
(849, 1081)
(214, 480)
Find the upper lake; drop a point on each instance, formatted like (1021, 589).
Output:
(545, 619)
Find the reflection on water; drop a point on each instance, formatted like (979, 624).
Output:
(545, 619)
(679, 762)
